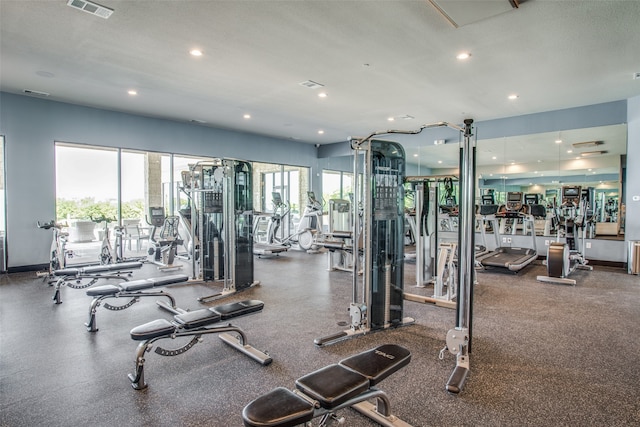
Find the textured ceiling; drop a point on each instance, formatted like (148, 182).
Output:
(376, 59)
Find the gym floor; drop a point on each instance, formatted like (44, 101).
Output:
(542, 354)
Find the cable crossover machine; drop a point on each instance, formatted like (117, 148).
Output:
(219, 216)
(377, 302)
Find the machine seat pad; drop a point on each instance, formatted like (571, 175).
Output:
(197, 318)
(93, 269)
(169, 280)
(236, 309)
(378, 363)
(98, 291)
(155, 328)
(280, 407)
(67, 272)
(332, 385)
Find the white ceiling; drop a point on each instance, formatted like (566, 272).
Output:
(376, 59)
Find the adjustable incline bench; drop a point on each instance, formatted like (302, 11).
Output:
(67, 276)
(195, 324)
(134, 290)
(349, 383)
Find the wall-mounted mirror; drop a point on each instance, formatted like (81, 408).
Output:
(541, 164)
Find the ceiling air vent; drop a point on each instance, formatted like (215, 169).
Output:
(587, 144)
(92, 8)
(34, 92)
(311, 84)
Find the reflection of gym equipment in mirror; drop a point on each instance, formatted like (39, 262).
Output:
(435, 249)
(219, 212)
(573, 219)
(505, 219)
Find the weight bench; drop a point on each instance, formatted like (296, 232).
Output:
(195, 324)
(350, 383)
(94, 272)
(134, 290)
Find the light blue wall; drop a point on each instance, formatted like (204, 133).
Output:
(31, 126)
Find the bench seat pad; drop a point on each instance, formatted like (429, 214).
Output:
(155, 328)
(93, 269)
(169, 280)
(332, 385)
(280, 407)
(236, 309)
(98, 291)
(197, 318)
(378, 363)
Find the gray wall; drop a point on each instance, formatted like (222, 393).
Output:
(31, 126)
(632, 224)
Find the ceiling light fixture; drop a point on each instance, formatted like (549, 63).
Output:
(247, 116)
(513, 96)
(592, 153)
(558, 141)
(195, 52)
(132, 92)
(463, 55)
(587, 144)
(320, 132)
(391, 119)
(322, 95)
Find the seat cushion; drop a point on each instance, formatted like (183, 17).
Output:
(332, 385)
(98, 291)
(378, 363)
(235, 309)
(197, 318)
(156, 328)
(280, 407)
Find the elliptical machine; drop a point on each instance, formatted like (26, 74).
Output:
(163, 249)
(565, 258)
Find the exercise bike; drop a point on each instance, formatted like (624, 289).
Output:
(58, 253)
(565, 258)
(109, 255)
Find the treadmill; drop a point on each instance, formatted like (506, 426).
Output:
(511, 258)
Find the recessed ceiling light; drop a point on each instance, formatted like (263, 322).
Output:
(247, 116)
(513, 96)
(391, 119)
(558, 141)
(494, 158)
(132, 92)
(569, 151)
(195, 52)
(415, 155)
(320, 132)
(463, 55)
(439, 161)
(322, 95)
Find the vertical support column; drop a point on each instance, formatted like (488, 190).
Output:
(153, 180)
(459, 338)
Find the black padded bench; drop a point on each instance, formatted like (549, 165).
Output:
(72, 277)
(195, 324)
(134, 290)
(349, 383)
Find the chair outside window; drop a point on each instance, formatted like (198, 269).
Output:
(134, 233)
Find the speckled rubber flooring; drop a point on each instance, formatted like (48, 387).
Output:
(543, 354)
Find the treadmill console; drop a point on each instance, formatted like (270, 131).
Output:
(514, 201)
(156, 216)
(571, 195)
